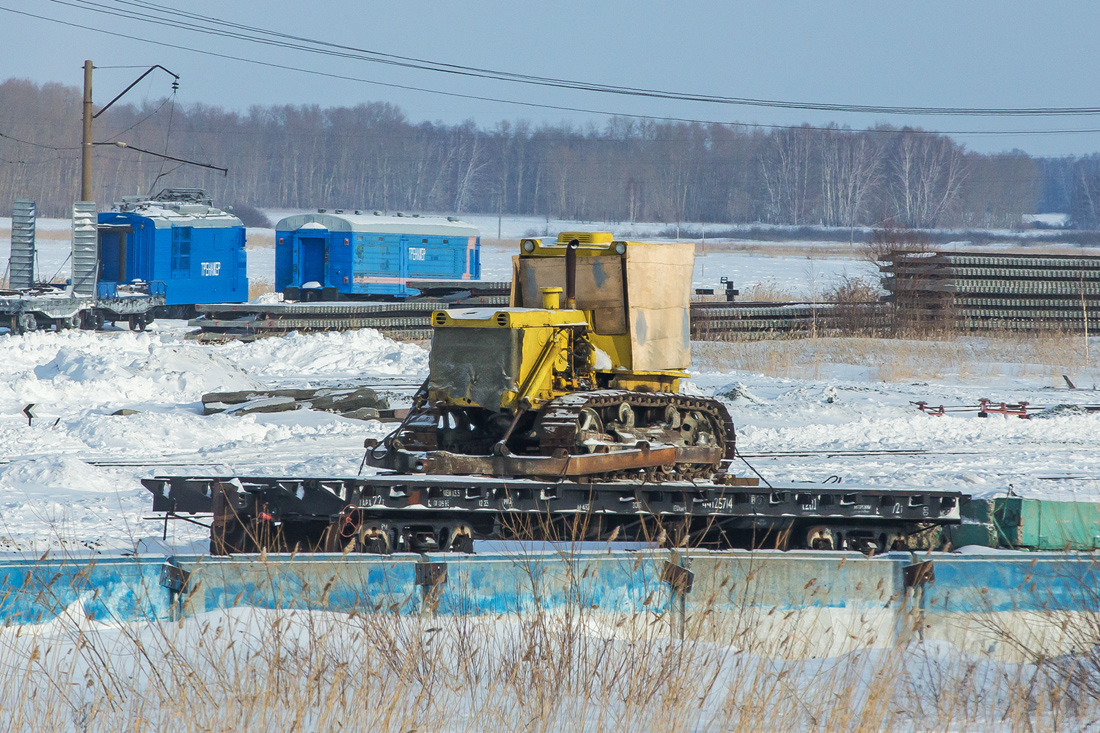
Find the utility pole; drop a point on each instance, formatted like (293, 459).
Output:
(86, 139)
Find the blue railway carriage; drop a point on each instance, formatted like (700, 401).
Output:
(348, 255)
(177, 238)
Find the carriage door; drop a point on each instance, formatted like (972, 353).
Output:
(114, 260)
(312, 255)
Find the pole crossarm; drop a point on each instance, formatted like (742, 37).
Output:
(150, 70)
(120, 144)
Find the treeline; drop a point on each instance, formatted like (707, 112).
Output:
(372, 157)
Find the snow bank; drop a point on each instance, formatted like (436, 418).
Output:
(71, 478)
(351, 354)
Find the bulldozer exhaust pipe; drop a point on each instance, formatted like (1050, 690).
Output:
(571, 274)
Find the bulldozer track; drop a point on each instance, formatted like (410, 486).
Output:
(559, 420)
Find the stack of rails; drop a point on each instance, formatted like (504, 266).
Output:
(978, 291)
(718, 321)
(408, 319)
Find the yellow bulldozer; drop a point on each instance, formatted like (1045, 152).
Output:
(577, 379)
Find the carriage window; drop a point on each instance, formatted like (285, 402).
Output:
(181, 252)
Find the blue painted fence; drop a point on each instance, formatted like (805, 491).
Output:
(128, 589)
(102, 589)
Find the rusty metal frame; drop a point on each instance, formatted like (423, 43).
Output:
(642, 456)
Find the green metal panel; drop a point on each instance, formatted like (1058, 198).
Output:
(1029, 524)
(980, 534)
(1059, 525)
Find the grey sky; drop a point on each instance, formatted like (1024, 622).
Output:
(934, 53)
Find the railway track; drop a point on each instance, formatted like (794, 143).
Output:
(409, 319)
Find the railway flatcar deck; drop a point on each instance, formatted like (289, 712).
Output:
(389, 512)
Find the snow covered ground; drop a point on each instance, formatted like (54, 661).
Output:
(798, 276)
(71, 478)
(798, 269)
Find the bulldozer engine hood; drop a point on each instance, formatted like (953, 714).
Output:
(477, 366)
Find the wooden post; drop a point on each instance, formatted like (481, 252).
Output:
(86, 139)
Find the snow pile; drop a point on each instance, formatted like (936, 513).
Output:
(347, 355)
(57, 477)
(81, 368)
(71, 478)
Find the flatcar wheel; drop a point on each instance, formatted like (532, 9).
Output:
(330, 538)
(91, 320)
(378, 545)
(373, 539)
(820, 538)
(461, 540)
(27, 322)
(138, 322)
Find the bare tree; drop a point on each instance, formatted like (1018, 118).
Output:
(926, 173)
(1000, 190)
(786, 170)
(370, 156)
(469, 164)
(850, 165)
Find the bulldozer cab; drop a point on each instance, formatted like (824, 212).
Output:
(623, 325)
(638, 295)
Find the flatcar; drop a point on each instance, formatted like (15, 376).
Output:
(180, 239)
(341, 255)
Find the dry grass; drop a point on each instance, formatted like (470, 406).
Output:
(728, 668)
(1034, 356)
(768, 292)
(257, 287)
(259, 239)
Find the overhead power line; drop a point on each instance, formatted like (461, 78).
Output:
(149, 12)
(143, 119)
(40, 145)
(527, 104)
